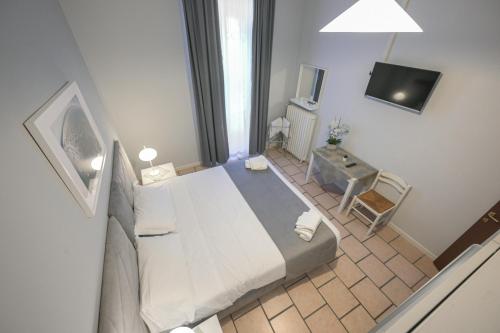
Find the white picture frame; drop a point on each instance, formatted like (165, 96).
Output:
(67, 134)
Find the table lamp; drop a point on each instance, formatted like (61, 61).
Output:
(148, 155)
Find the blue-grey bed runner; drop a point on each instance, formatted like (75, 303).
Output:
(277, 207)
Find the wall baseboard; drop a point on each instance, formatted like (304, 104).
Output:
(412, 240)
(189, 165)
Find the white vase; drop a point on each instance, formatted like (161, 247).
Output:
(331, 147)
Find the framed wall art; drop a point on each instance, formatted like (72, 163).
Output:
(67, 134)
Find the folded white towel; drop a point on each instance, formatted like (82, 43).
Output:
(305, 234)
(256, 163)
(307, 224)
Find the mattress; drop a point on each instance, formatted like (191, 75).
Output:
(219, 233)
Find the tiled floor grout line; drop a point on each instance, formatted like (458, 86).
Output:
(425, 277)
(326, 281)
(279, 313)
(412, 263)
(406, 284)
(380, 288)
(293, 304)
(383, 292)
(326, 304)
(356, 262)
(359, 301)
(321, 307)
(248, 310)
(399, 236)
(397, 252)
(269, 320)
(386, 283)
(358, 282)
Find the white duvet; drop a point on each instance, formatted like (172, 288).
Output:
(219, 252)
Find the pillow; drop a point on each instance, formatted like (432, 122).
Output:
(119, 310)
(166, 287)
(154, 209)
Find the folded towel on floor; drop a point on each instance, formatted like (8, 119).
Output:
(256, 163)
(307, 224)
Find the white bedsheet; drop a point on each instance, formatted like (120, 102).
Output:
(227, 250)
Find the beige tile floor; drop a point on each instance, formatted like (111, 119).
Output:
(368, 279)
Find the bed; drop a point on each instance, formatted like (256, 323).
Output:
(234, 241)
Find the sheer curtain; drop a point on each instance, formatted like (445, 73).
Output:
(236, 21)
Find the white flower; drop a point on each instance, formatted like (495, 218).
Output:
(337, 129)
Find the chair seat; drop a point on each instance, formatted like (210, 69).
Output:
(376, 201)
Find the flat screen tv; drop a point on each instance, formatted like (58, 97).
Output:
(406, 87)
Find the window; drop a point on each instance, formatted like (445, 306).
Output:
(236, 20)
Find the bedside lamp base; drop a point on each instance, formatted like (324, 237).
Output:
(157, 173)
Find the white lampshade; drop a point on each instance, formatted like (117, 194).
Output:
(96, 163)
(182, 330)
(373, 16)
(147, 154)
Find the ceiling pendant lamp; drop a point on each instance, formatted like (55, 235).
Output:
(373, 16)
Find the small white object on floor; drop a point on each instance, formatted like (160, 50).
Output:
(307, 224)
(256, 163)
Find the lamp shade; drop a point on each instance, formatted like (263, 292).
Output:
(373, 16)
(147, 154)
(96, 163)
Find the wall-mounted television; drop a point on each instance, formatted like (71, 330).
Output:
(405, 87)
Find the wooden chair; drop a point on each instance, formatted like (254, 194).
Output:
(375, 203)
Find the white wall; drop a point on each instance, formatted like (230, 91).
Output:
(51, 255)
(286, 44)
(449, 153)
(135, 54)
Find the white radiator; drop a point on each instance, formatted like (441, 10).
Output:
(302, 125)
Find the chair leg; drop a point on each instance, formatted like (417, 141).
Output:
(374, 224)
(353, 201)
(389, 216)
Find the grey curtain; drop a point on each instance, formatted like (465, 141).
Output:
(202, 27)
(262, 44)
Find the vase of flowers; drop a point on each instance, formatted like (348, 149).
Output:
(333, 143)
(336, 133)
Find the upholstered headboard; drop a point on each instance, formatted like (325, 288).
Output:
(120, 311)
(121, 198)
(120, 308)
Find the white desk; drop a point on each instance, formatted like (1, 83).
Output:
(332, 160)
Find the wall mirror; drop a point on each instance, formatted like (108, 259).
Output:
(310, 86)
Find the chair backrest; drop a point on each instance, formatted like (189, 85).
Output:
(394, 181)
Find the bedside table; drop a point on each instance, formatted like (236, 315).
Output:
(165, 171)
(211, 325)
